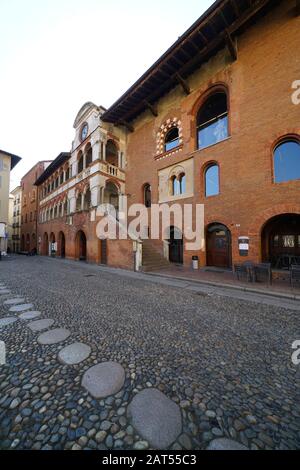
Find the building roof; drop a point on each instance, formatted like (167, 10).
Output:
(60, 160)
(14, 159)
(215, 29)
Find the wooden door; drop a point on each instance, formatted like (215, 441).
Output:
(218, 247)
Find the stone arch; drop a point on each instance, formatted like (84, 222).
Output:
(81, 246)
(259, 222)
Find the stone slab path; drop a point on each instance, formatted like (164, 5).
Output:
(14, 301)
(21, 308)
(29, 315)
(55, 336)
(40, 325)
(225, 444)
(156, 418)
(74, 353)
(104, 380)
(7, 321)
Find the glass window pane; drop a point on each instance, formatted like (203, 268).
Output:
(213, 133)
(176, 187)
(212, 181)
(183, 184)
(287, 162)
(172, 139)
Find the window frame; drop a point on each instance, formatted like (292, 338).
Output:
(206, 167)
(280, 141)
(221, 87)
(177, 139)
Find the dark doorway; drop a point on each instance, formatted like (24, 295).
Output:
(218, 246)
(62, 243)
(175, 246)
(103, 245)
(281, 241)
(81, 246)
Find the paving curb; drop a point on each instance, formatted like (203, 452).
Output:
(280, 295)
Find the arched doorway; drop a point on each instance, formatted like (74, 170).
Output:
(45, 244)
(175, 246)
(61, 245)
(23, 243)
(218, 246)
(81, 246)
(27, 242)
(281, 241)
(52, 245)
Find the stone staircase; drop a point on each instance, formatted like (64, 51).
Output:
(152, 259)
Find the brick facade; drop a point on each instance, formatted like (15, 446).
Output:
(29, 207)
(258, 86)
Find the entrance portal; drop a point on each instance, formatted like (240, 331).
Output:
(281, 241)
(175, 246)
(218, 246)
(81, 246)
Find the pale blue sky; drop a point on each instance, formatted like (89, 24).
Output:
(57, 54)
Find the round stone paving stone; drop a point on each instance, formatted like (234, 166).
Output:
(74, 353)
(4, 292)
(156, 418)
(21, 308)
(225, 444)
(29, 315)
(7, 321)
(54, 336)
(104, 380)
(40, 325)
(14, 301)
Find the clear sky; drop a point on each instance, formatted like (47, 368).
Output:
(57, 54)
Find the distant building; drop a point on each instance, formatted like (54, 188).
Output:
(29, 207)
(10, 223)
(7, 162)
(75, 184)
(16, 222)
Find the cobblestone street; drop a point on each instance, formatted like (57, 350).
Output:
(222, 365)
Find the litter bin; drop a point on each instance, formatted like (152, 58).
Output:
(195, 263)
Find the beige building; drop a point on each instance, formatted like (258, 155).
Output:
(9, 229)
(7, 162)
(15, 244)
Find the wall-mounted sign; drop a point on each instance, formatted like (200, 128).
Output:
(244, 246)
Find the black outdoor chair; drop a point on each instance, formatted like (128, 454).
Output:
(244, 270)
(263, 272)
(294, 274)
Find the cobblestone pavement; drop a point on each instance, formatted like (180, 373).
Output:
(225, 362)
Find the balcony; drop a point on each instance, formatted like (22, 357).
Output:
(112, 170)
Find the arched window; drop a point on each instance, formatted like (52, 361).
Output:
(287, 161)
(212, 183)
(147, 195)
(89, 156)
(178, 184)
(66, 207)
(87, 199)
(80, 162)
(112, 153)
(212, 120)
(61, 179)
(78, 203)
(172, 139)
(68, 173)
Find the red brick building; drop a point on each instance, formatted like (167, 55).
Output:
(215, 122)
(75, 184)
(29, 207)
